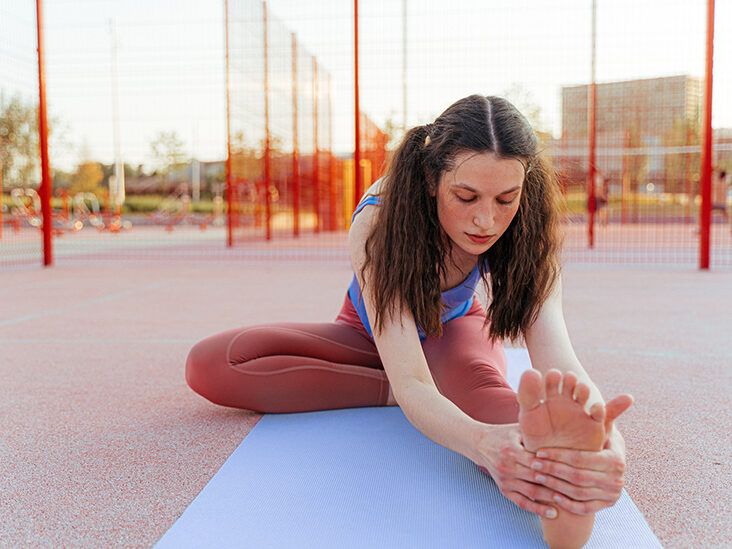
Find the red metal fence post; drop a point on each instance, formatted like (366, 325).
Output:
(316, 174)
(229, 193)
(267, 143)
(688, 160)
(1, 198)
(45, 187)
(357, 177)
(706, 160)
(295, 146)
(331, 164)
(591, 112)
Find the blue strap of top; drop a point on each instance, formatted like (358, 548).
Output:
(457, 300)
(369, 200)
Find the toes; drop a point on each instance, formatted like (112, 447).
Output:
(597, 411)
(581, 394)
(569, 382)
(552, 379)
(531, 390)
(617, 406)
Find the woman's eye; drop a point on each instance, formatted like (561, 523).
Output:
(504, 203)
(465, 200)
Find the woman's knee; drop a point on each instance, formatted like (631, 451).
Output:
(496, 406)
(489, 399)
(207, 368)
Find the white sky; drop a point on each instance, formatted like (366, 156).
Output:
(171, 59)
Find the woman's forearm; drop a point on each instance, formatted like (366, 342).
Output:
(439, 419)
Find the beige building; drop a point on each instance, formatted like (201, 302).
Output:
(643, 130)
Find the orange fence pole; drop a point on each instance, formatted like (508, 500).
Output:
(690, 194)
(358, 178)
(592, 108)
(331, 164)
(295, 146)
(316, 174)
(45, 187)
(1, 200)
(228, 192)
(267, 137)
(705, 215)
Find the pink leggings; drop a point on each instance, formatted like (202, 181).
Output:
(298, 367)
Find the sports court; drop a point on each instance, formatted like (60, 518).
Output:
(181, 169)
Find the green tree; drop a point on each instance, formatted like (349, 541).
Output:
(19, 159)
(246, 161)
(19, 142)
(393, 131)
(87, 178)
(168, 153)
(62, 179)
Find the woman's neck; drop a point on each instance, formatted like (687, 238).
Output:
(458, 269)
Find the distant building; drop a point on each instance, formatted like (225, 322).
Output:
(723, 148)
(642, 129)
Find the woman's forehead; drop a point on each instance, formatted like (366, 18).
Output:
(485, 171)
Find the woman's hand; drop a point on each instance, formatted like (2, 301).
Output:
(501, 455)
(587, 481)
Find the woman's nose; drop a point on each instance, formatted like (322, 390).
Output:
(485, 220)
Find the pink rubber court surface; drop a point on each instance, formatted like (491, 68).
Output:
(102, 443)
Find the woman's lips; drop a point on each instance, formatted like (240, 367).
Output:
(479, 239)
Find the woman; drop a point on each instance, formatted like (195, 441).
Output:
(466, 198)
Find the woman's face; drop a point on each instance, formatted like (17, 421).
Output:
(480, 197)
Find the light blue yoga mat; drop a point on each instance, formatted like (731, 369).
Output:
(366, 478)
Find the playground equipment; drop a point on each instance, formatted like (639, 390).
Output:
(83, 213)
(176, 209)
(85, 210)
(27, 208)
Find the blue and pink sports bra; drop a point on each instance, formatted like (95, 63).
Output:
(457, 300)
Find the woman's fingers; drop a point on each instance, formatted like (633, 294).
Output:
(535, 492)
(579, 477)
(577, 493)
(525, 473)
(581, 507)
(605, 460)
(532, 506)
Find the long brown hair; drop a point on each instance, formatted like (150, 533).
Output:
(523, 264)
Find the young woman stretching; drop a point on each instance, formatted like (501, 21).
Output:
(465, 199)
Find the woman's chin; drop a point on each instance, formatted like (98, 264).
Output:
(475, 251)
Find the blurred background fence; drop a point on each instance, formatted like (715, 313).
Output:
(227, 130)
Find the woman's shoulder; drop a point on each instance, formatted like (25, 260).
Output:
(375, 188)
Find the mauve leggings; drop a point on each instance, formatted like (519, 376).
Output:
(301, 367)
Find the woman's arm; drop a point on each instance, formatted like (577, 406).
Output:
(549, 346)
(495, 448)
(573, 472)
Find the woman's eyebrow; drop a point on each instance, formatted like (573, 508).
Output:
(471, 189)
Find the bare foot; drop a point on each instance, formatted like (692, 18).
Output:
(549, 418)
(552, 415)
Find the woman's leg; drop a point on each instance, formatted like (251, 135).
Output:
(470, 370)
(288, 367)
